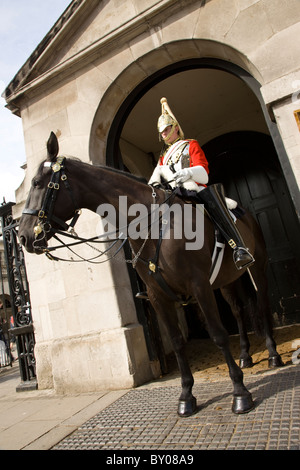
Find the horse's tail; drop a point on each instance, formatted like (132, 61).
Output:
(254, 310)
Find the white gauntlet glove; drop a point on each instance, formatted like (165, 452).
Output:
(182, 175)
(195, 173)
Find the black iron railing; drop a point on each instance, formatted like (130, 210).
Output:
(22, 328)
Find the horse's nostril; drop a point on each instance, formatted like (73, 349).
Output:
(22, 240)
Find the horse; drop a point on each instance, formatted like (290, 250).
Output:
(64, 186)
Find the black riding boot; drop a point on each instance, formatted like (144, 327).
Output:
(214, 199)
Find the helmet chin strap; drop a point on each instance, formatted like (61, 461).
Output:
(169, 135)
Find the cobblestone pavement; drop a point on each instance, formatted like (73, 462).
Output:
(146, 418)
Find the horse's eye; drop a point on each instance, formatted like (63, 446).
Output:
(35, 183)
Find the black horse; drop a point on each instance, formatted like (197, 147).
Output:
(63, 186)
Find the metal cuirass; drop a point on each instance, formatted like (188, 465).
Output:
(180, 158)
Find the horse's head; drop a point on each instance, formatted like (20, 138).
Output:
(50, 202)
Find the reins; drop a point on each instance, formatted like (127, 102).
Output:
(46, 216)
(121, 237)
(87, 241)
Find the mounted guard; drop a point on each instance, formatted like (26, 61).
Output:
(187, 272)
(183, 163)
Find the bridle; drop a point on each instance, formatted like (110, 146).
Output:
(46, 217)
(45, 214)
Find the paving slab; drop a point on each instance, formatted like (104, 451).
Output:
(39, 419)
(146, 418)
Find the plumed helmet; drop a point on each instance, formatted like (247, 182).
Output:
(167, 118)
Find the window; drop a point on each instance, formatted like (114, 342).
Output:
(297, 117)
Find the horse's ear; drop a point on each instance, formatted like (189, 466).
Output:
(52, 147)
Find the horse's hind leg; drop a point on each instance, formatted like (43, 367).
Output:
(167, 312)
(242, 399)
(264, 311)
(236, 304)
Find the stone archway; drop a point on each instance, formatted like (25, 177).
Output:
(147, 71)
(231, 102)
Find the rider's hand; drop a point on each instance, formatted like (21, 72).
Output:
(182, 175)
(196, 173)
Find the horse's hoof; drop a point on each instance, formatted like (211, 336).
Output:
(275, 361)
(187, 407)
(242, 404)
(246, 363)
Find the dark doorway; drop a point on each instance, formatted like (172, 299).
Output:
(247, 164)
(245, 161)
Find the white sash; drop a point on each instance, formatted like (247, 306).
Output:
(172, 150)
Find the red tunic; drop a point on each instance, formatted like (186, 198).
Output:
(197, 156)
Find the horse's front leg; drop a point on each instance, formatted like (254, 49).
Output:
(187, 402)
(242, 399)
(165, 309)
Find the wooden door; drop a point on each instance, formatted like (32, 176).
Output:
(247, 164)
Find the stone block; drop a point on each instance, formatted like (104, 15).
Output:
(99, 361)
(250, 29)
(275, 61)
(216, 19)
(281, 13)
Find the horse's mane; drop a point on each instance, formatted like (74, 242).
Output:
(140, 179)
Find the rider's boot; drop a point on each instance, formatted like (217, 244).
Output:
(214, 199)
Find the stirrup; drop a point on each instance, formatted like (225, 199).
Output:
(246, 262)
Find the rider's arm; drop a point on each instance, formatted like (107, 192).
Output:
(198, 170)
(156, 175)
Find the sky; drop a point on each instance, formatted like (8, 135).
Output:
(23, 24)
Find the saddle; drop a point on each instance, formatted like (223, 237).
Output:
(235, 211)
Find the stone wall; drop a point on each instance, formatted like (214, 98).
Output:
(85, 321)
